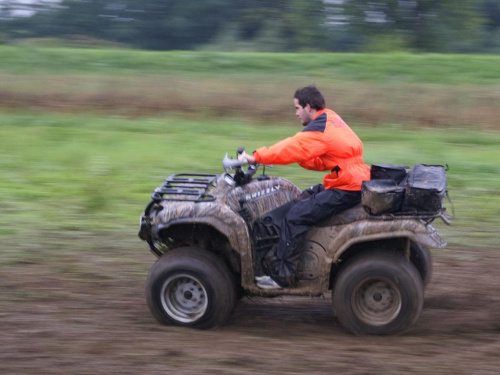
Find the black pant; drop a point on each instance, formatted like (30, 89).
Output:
(314, 205)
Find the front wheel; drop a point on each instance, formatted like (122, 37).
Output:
(190, 287)
(378, 293)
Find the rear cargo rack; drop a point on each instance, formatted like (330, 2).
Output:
(427, 217)
(191, 187)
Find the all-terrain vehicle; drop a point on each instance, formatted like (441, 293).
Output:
(210, 233)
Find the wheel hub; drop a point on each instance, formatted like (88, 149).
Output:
(376, 301)
(184, 298)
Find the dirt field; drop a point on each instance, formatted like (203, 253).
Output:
(84, 312)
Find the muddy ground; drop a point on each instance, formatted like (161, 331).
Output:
(64, 311)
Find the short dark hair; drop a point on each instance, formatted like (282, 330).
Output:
(310, 95)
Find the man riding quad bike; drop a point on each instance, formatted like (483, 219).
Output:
(219, 237)
(211, 232)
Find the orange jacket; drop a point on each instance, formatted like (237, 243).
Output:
(327, 143)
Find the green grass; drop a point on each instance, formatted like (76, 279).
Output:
(64, 175)
(109, 129)
(386, 68)
(445, 91)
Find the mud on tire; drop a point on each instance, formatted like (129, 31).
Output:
(190, 287)
(378, 293)
(421, 257)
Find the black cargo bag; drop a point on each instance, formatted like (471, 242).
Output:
(389, 172)
(425, 189)
(381, 196)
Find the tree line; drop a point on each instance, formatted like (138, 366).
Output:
(262, 25)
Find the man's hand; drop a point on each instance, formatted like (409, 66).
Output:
(250, 158)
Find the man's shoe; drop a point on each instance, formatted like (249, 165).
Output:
(266, 282)
(260, 278)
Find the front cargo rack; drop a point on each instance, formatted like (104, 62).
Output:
(190, 187)
(185, 187)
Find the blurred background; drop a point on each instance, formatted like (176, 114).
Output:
(256, 25)
(100, 101)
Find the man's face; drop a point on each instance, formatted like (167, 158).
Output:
(303, 113)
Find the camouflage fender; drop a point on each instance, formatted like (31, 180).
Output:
(337, 239)
(219, 216)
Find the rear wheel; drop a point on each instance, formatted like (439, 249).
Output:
(421, 257)
(190, 287)
(378, 293)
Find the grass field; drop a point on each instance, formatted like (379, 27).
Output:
(87, 134)
(396, 67)
(79, 174)
(425, 90)
(85, 137)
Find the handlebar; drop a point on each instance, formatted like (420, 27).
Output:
(235, 164)
(240, 177)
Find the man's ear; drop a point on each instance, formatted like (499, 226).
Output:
(308, 108)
